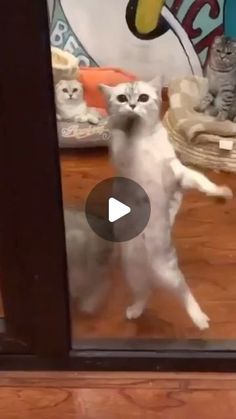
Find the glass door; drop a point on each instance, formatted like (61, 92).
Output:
(204, 230)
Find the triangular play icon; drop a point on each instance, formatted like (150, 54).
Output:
(117, 210)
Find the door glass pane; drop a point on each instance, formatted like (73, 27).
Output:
(96, 42)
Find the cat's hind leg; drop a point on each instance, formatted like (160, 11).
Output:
(168, 274)
(141, 290)
(191, 179)
(93, 300)
(137, 278)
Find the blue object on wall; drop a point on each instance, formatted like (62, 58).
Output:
(230, 18)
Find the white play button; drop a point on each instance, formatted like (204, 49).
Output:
(117, 210)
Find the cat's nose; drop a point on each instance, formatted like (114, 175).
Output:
(70, 96)
(132, 105)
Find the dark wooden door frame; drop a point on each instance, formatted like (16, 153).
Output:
(32, 245)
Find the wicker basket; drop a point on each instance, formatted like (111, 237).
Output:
(208, 155)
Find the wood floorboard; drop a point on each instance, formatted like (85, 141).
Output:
(205, 235)
(117, 396)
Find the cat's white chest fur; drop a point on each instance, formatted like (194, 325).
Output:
(69, 111)
(143, 160)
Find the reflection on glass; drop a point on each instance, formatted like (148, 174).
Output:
(89, 259)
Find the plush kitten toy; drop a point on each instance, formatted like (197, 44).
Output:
(70, 103)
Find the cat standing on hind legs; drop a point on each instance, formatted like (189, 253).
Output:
(140, 150)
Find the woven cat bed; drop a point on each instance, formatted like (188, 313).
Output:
(64, 65)
(198, 139)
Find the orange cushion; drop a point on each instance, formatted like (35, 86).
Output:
(91, 77)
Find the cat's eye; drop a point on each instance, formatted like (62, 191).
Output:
(75, 90)
(229, 52)
(218, 50)
(143, 98)
(122, 98)
(65, 90)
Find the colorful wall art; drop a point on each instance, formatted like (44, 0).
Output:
(147, 37)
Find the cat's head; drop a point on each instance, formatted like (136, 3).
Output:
(69, 91)
(138, 98)
(223, 53)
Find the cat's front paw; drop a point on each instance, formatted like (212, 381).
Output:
(201, 321)
(134, 312)
(128, 122)
(201, 107)
(93, 120)
(198, 108)
(225, 192)
(81, 119)
(211, 111)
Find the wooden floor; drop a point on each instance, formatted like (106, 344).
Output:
(205, 237)
(117, 396)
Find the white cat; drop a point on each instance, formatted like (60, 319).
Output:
(141, 151)
(70, 103)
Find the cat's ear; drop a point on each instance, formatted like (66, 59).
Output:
(58, 84)
(217, 40)
(157, 84)
(106, 90)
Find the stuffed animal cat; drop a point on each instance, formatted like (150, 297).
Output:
(70, 103)
(220, 100)
(141, 151)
